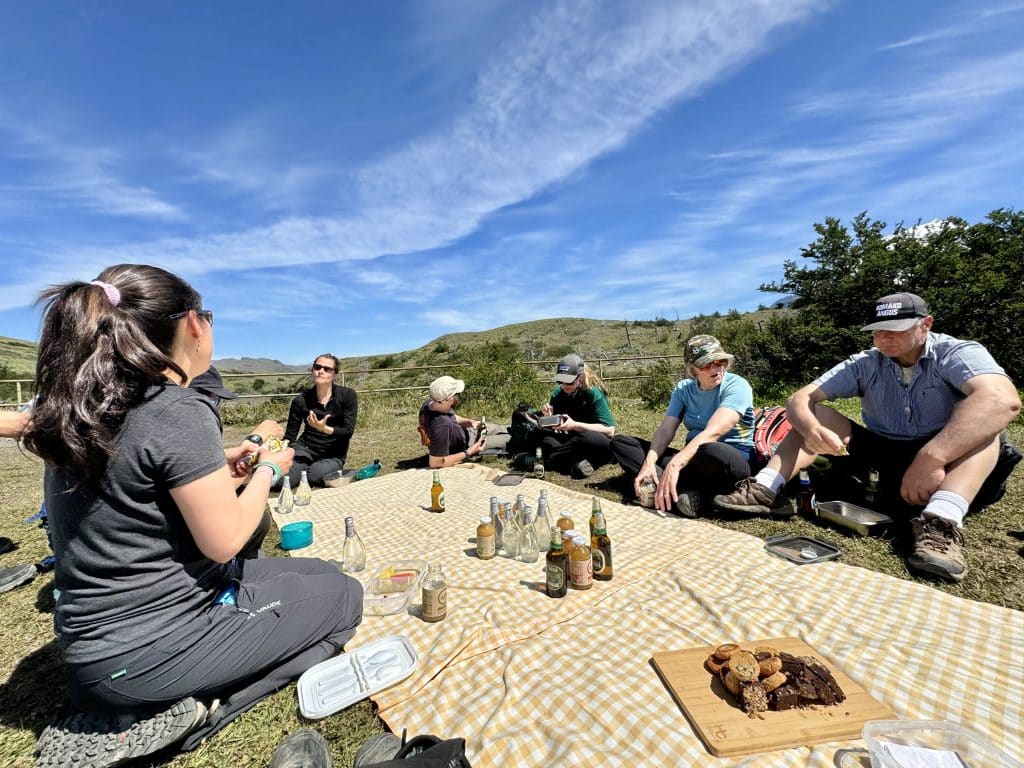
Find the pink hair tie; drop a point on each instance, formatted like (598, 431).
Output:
(113, 295)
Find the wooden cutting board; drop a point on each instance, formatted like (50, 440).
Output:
(727, 731)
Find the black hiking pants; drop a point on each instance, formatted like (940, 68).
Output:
(290, 614)
(715, 468)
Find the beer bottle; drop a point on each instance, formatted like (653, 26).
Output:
(805, 500)
(555, 581)
(437, 494)
(485, 535)
(435, 594)
(538, 465)
(601, 550)
(871, 488)
(595, 509)
(581, 564)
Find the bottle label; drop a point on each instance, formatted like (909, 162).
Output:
(435, 603)
(438, 504)
(555, 577)
(598, 557)
(581, 572)
(485, 547)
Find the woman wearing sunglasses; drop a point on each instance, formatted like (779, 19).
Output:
(326, 414)
(717, 409)
(156, 616)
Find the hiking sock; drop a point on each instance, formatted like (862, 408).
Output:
(769, 478)
(947, 505)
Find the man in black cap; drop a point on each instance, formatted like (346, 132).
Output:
(934, 410)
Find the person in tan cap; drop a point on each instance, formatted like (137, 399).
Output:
(935, 410)
(716, 407)
(452, 439)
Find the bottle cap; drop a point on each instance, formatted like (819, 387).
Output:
(566, 514)
(485, 519)
(579, 540)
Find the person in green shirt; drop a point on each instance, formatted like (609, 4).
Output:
(581, 441)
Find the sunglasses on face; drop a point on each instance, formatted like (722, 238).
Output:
(206, 314)
(713, 364)
(325, 368)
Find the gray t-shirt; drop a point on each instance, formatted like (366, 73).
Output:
(127, 567)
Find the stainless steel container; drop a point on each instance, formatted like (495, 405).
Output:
(858, 519)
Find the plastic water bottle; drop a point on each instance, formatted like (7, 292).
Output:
(285, 499)
(369, 470)
(303, 494)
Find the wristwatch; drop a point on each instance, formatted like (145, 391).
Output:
(255, 439)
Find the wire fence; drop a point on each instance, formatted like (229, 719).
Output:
(609, 369)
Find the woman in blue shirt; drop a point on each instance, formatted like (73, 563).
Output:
(717, 409)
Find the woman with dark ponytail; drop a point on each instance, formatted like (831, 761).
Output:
(156, 617)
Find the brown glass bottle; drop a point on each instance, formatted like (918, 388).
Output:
(595, 509)
(601, 550)
(556, 580)
(437, 494)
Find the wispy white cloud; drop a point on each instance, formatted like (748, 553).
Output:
(572, 84)
(70, 173)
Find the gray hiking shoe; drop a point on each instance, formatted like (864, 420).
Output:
(938, 548)
(85, 740)
(377, 749)
(302, 749)
(753, 498)
(16, 575)
(582, 469)
(688, 503)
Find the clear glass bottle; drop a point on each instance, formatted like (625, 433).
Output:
(518, 508)
(538, 465)
(581, 564)
(529, 547)
(501, 525)
(303, 494)
(285, 499)
(434, 603)
(510, 535)
(542, 524)
(353, 553)
(485, 543)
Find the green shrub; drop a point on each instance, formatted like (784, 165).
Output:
(497, 379)
(250, 413)
(656, 389)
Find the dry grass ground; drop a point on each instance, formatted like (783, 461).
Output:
(33, 687)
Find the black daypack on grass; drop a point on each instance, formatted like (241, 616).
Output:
(525, 421)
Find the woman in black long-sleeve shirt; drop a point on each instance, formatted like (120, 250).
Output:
(328, 412)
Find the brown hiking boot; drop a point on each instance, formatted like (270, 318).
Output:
(938, 548)
(753, 498)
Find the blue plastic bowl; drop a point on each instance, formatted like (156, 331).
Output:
(297, 535)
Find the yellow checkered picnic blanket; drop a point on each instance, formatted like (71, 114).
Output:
(532, 681)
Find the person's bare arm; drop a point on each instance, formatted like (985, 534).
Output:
(221, 522)
(991, 403)
(721, 421)
(13, 423)
(817, 437)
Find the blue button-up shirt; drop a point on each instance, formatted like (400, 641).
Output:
(921, 408)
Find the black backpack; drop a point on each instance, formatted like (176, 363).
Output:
(428, 752)
(525, 421)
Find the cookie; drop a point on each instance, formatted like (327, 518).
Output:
(745, 666)
(772, 682)
(725, 651)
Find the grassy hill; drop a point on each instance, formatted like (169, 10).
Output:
(539, 340)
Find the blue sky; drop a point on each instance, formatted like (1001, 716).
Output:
(365, 177)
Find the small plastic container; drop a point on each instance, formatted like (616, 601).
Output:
(898, 743)
(332, 685)
(393, 587)
(297, 535)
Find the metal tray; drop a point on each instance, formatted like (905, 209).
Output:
(510, 478)
(800, 549)
(859, 519)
